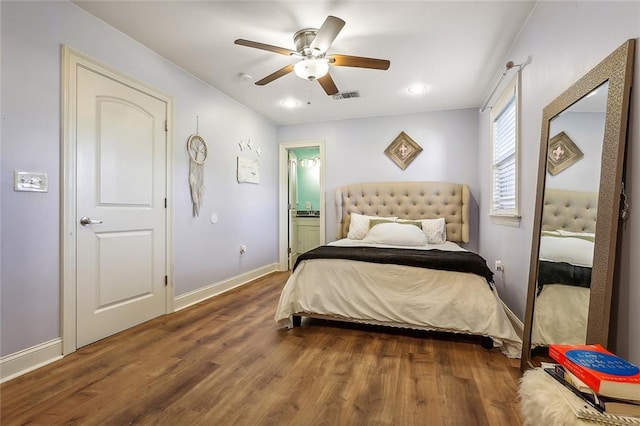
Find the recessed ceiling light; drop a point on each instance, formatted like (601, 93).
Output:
(290, 103)
(418, 88)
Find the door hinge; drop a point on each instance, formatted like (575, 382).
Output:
(165, 203)
(166, 125)
(166, 280)
(289, 250)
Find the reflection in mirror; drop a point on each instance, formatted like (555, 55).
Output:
(575, 226)
(567, 237)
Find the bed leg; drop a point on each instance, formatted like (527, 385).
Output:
(486, 342)
(297, 320)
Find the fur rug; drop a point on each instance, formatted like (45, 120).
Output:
(542, 401)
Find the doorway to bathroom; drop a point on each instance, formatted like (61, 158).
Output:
(302, 199)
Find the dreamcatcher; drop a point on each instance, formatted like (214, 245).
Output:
(197, 148)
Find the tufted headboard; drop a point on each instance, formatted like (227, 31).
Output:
(569, 210)
(407, 200)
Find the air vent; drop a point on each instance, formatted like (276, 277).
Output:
(346, 95)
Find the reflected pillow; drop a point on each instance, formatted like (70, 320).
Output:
(589, 236)
(573, 250)
(435, 230)
(396, 234)
(359, 225)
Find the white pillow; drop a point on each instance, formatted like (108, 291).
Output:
(359, 225)
(396, 234)
(435, 230)
(572, 250)
(585, 235)
(416, 222)
(555, 233)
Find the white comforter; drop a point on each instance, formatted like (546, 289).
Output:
(561, 311)
(560, 315)
(400, 296)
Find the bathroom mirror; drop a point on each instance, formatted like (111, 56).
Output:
(577, 210)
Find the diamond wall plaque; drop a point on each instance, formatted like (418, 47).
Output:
(563, 152)
(403, 150)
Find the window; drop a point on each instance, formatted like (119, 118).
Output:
(504, 161)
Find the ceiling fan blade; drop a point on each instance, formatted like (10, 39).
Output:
(328, 84)
(270, 48)
(358, 61)
(326, 34)
(282, 71)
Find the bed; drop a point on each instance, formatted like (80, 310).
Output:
(381, 270)
(564, 270)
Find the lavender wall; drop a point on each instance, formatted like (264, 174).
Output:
(355, 153)
(565, 40)
(203, 253)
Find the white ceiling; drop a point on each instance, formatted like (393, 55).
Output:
(457, 48)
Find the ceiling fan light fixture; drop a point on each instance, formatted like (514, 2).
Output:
(417, 89)
(311, 68)
(311, 49)
(592, 93)
(290, 103)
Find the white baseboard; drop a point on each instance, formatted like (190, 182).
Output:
(19, 363)
(515, 321)
(204, 293)
(24, 361)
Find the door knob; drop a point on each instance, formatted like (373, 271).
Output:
(84, 221)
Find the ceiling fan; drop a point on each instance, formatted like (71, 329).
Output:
(311, 47)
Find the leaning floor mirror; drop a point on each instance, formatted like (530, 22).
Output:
(578, 209)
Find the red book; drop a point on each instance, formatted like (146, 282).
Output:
(604, 372)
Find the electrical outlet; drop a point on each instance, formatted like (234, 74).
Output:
(499, 265)
(243, 249)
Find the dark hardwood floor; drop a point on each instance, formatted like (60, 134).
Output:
(226, 362)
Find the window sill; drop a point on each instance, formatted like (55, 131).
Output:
(506, 220)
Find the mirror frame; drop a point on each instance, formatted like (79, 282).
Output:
(617, 68)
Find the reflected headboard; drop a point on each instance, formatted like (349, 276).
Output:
(407, 200)
(569, 210)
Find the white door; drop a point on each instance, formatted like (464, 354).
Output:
(292, 203)
(121, 192)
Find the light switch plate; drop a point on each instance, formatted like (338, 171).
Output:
(30, 181)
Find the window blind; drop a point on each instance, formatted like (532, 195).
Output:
(504, 159)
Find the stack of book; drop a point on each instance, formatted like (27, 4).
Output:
(608, 383)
